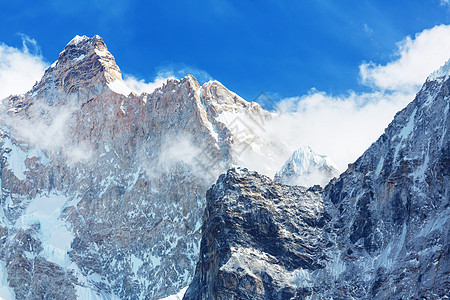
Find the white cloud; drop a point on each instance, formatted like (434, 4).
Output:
(179, 151)
(344, 126)
(415, 59)
(341, 127)
(49, 128)
(140, 86)
(20, 68)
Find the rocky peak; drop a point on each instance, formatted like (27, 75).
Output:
(219, 99)
(441, 73)
(379, 231)
(256, 236)
(84, 66)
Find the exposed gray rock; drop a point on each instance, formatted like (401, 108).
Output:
(257, 235)
(390, 210)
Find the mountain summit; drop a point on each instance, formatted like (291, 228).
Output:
(85, 66)
(307, 168)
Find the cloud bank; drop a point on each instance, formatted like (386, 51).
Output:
(20, 68)
(140, 86)
(344, 126)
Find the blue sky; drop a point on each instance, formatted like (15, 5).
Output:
(283, 47)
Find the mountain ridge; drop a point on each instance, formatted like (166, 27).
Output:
(127, 174)
(381, 228)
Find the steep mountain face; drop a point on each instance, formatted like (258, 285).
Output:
(390, 210)
(102, 190)
(258, 236)
(380, 231)
(307, 168)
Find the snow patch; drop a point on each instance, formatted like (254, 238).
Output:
(16, 159)
(136, 263)
(53, 232)
(81, 57)
(442, 72)
(406, 131)
(6, 292)
(155, 261)
(77, 39)
(119, 87)
(379, 166)
(101, 52)
(177, 296)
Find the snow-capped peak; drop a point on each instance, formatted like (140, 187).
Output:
(77, 39)
(443, 71)
(92, 68)
(307, 168)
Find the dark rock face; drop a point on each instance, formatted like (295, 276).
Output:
(256, 236)
(380, 231)
(391, 208)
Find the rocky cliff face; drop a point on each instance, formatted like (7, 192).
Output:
(390, 209)
(102, 190)
(380, 231)
(258, 237)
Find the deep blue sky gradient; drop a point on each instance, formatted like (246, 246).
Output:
(283, 47)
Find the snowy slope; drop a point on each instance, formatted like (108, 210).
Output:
(306, 168)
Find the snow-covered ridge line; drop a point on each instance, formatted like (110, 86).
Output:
(442, 72)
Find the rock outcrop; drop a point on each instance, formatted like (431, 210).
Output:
(257, 235)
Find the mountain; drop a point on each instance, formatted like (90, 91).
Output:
(306, 168)
(103, 189)
(379, 231)
(258, 238)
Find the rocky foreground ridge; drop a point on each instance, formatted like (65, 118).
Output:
(379, 231)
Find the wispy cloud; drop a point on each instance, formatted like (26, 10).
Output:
(49, 128)
(20, 68)
(182, 70)
(367, 30)
(415, 59)
(180, 151)
(140, 86)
